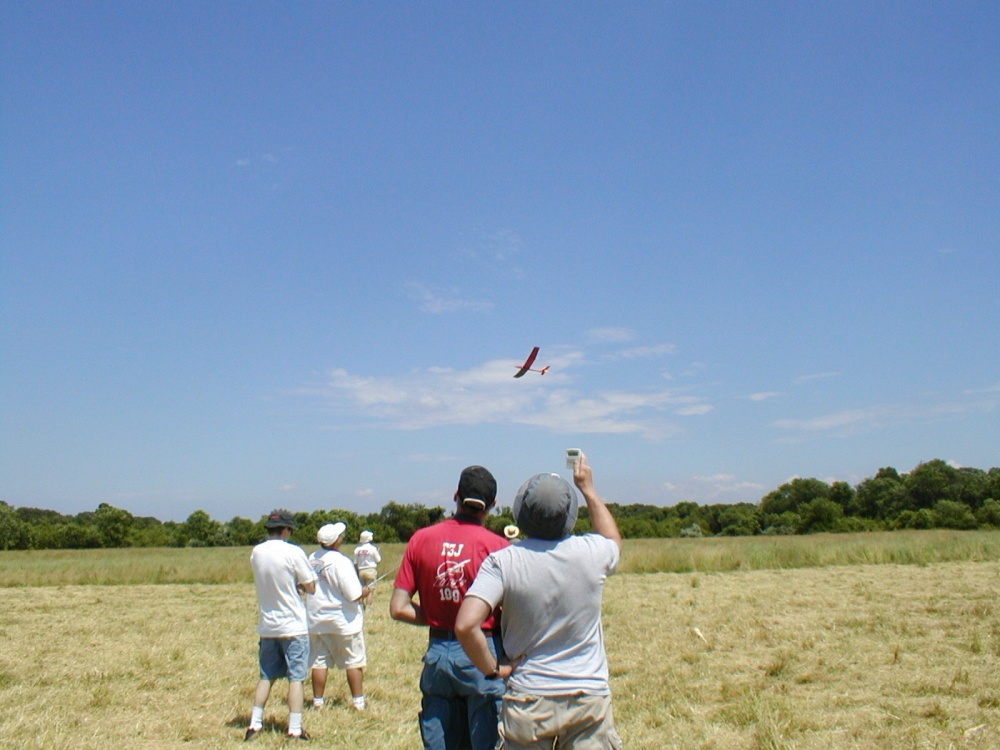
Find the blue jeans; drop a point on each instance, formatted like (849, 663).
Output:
(460, 708)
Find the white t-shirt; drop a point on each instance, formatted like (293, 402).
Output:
(367, 556)
(551, 595)
(278, 568)
(334, 607)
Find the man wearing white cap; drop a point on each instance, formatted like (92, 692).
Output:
(550, 587)
(336, 617)
(366, 560)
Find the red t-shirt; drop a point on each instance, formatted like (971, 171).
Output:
(440, 564)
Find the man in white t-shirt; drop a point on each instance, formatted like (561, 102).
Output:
(550, 587)
(336, 617)
(281, 574)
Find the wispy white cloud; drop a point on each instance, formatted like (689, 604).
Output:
(882, 416)
(611, 335)
(815, 376)
(695, 410)
(440, 302)
(487, 394)
(716, 488)
(764, 395)
(641, 352)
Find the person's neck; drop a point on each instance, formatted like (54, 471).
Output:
(464, 515)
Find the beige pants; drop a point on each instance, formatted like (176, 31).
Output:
(580, 722)
(368, 576)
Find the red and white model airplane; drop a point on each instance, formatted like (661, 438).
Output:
(526, 367)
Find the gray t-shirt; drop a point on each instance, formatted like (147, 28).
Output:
(551, 596)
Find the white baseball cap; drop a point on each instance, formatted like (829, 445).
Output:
(330, 533)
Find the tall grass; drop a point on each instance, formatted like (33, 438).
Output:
(717, 554)
(221, 565)
(134, 566)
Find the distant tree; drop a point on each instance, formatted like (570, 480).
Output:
(75, 535)
(929, 483)
(14, 532)
(632, 527)
(951, 514)
(993, 484)
(496, 522)
(843, 495)
(200, 530)
(406, 519)
(742, 519)
(38, 516)
(972, 487)
(791, 495)
(821, 514)
(882, 496)
(988, 514)
(243, 532)
(686, 509)
(150, 532)
(781, 523)
(915, 519)
(113, 525)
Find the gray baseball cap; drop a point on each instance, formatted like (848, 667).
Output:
(546, 507)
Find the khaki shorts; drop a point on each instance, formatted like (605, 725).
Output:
(367, 575)
(581, 722)
(332, 650)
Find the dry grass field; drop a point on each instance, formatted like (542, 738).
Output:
(855, 656)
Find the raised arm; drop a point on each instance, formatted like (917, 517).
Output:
(600, 517)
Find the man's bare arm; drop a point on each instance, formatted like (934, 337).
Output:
(600, 517)
(402, 608)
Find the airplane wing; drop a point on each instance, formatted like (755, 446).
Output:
(527, 363)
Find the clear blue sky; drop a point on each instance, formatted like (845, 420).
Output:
(288, 254)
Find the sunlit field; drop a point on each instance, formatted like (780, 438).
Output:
(898, 648)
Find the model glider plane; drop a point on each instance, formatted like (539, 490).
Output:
(527, 366)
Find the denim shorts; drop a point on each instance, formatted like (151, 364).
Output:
(284, 657)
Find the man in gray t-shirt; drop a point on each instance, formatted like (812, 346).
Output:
(550, 588)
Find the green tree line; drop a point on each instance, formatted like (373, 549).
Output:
(933, 495)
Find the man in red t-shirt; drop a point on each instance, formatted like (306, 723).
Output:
(459, 706)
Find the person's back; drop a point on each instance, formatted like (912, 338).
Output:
(282, 610)
(441, 562)
(552, 612)
(336, 606)
(366, 554)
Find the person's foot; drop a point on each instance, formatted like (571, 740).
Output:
(252, 733)
(302, 736)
